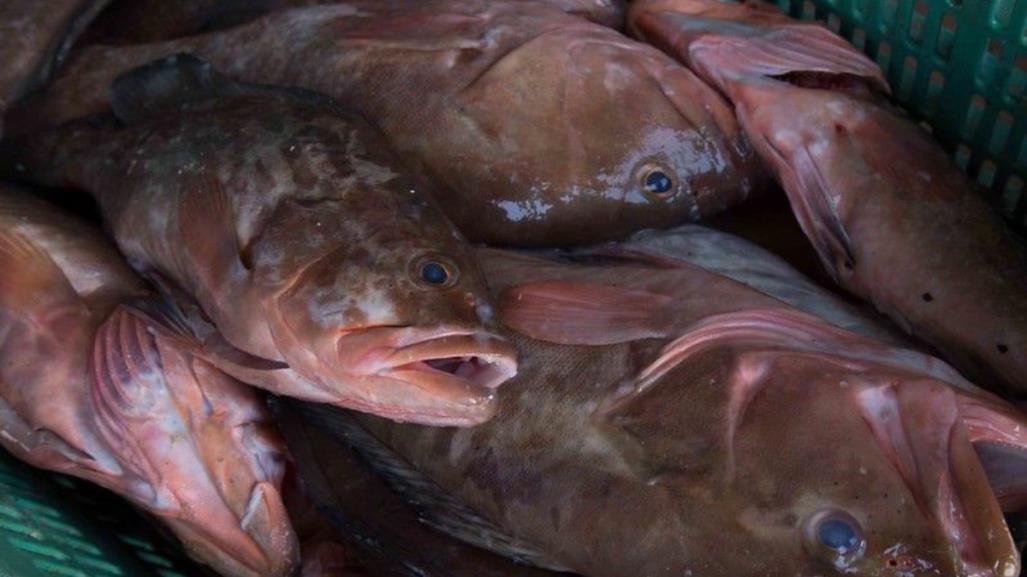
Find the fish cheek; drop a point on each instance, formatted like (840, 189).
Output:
(804, 448)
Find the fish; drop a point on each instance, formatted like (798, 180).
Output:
(143, 21)
(321, 269)
(377, 529)
(893, 219)
(97, 382)
(760, 440)
(535, 127)
(35, 38)
(736, 258)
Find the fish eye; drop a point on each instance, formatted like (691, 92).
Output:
(434, 271)
(835, 537)
(657, 181)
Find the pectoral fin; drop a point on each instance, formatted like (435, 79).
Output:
(579, 313)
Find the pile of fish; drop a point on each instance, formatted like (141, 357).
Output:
(415, 288)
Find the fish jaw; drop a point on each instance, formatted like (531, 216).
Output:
(998, 432)
(435, 376)
(253, 548)
(918, 425)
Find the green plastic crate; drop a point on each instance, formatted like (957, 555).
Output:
(56, 526)
(958, 65)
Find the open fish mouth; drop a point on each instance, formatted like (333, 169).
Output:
(475, 361)
(436, 376)
(923, 428)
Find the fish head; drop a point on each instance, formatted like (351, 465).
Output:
(884, 481)
(811, 467)
(381, 304)
(584, 135)
(202, 442)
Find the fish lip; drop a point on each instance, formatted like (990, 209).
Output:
(991, 551)
(400, 359)
(499, 356)
(252, 548)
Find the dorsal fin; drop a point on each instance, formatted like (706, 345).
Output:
(165, 84)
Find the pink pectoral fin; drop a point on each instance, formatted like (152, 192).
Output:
(578, 313)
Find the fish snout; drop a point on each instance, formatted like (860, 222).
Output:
(919, 427)
(430, 375)
(262, 544)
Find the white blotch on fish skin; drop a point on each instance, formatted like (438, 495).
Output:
(617, 77)
(485, 312)
(365, 171)
(524, 210)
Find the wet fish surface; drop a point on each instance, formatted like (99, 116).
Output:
(97, 382)
(329, 274)
(893, 219)
(687, 446)
(535, 127)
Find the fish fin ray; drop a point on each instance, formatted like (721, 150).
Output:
(126, 369)
(577, 313)
(207, 223)
(32, 285)
(441, 511)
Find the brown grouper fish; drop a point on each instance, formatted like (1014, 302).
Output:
(326, 270)
(35, 37)
(96, 382)
(721, 433)
(535, 127)
(892, 218)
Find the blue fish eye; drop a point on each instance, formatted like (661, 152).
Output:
(657, 182)
(839, 535)
(434, 273)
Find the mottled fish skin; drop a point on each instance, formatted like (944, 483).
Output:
(34, 39)
(893, 219)
(293, 226)
(92, 386)
(688, 449)
(142, 21)
(535, 126)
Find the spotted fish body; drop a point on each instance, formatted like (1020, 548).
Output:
(678, 435)
(93, 385)
(289, 221)
(536, 127)
(893, 220)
